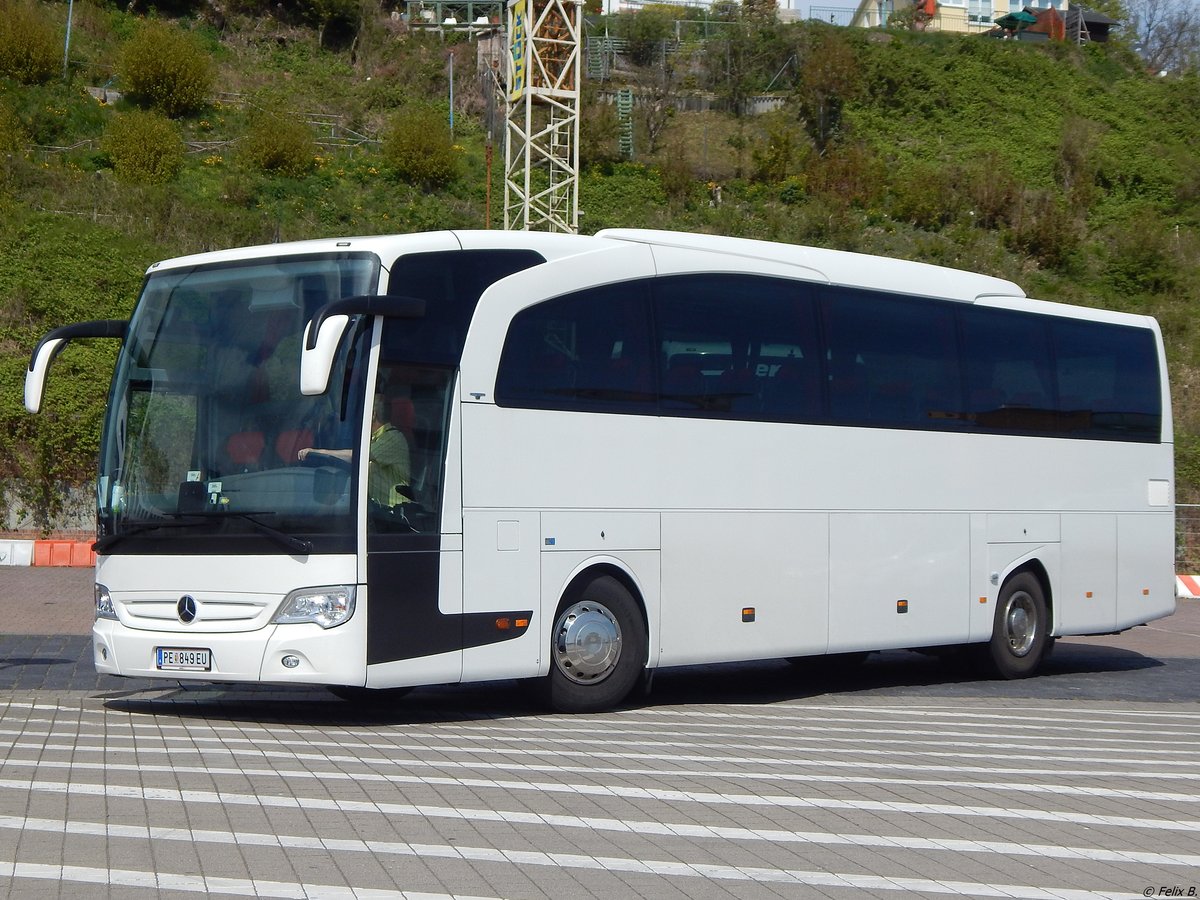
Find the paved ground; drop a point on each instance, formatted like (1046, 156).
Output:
(907, 776)
(833, 797)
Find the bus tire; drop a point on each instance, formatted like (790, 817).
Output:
(597, 648)
(1020, 628)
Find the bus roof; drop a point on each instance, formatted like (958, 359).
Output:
(837, 266)
(388, 246)
(833, 266)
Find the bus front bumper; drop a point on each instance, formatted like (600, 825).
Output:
(316, 655)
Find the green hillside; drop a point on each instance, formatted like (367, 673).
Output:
(1066, 169)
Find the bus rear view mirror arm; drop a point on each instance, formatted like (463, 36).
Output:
(52, 344)
(323, 333)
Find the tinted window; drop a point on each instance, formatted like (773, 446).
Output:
(738, 346)
(587, 351)
(451, 283)
(1010, 378)
(769, 349)
(1107, 379)
(891, 360)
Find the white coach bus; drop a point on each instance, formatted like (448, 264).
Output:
(459, 456)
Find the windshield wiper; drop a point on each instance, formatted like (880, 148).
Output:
(289, 541)
(129, 529)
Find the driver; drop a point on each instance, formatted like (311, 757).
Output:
(390, 467)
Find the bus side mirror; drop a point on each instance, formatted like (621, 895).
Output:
(319, 352)
(323, 333)
(52, 344)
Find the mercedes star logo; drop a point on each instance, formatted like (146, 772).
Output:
(186, 608)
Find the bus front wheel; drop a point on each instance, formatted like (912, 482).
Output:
(1019, 630)
(597, 648)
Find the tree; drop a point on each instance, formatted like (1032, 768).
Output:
(340, 17)
(762, 12)
(1167, 34)
(829, 76)
(647, 31)
(741, 59)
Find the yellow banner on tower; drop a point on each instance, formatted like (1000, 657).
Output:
(518, 48)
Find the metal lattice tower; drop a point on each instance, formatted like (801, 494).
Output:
(541, 158)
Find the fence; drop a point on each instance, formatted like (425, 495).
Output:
(832, 15)
(1187, 538)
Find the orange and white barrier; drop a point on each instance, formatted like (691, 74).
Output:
(1187, 586)
(16, 553)
(47, 553)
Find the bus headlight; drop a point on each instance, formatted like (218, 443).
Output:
(326, 606)
(104, 603)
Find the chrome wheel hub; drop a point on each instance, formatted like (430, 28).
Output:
(1020, 623)
(587, 642)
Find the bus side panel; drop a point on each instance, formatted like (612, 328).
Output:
(1085, 600)
(502, 574)
(982, 589)
(898, 580)
(414, 615)
(715, 565)
(1146, 569)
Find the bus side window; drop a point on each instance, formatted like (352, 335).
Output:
(1107, 380)
(1009, 373)
(738, 347)
(589, 350)
(893, 361)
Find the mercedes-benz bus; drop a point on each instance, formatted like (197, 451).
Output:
(390, 461)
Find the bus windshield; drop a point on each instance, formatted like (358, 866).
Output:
(206, 420)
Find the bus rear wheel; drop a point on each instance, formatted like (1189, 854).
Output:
(1020, 628)
(597, 648)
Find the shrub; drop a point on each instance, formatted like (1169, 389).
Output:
(676, 175)
(793, 189)
(922, 194)
(164, 68)
(12, 134)
(417, 147)
(280, 145)
(144, 147)
(990, 187)
(29, 44)
(776, 156)
(599, 132)
(848, 176)
(1142, 256)
(1046, 230)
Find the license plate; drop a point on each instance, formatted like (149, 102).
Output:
(183, 659)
